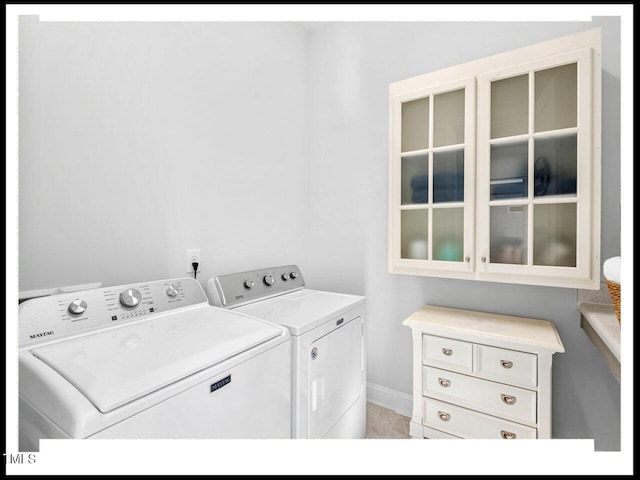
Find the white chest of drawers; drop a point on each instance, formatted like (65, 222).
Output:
(481, 375)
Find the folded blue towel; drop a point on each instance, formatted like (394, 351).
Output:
(419, 181)
(449, 187)
(449, 193)
(564, 186)
(420, 196)
(509, 190)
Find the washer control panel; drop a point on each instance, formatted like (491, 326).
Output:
(46, 318)
(240, 288)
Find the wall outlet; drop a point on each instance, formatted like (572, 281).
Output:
(193, 255)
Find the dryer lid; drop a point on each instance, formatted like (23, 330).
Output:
(303, 310)
(119, 365)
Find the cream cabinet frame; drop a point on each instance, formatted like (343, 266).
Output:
(467, 146)
(475, 259)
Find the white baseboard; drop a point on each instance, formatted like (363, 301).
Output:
(399, 402)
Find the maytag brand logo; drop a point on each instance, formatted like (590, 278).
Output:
(41, 334)
(220, 384)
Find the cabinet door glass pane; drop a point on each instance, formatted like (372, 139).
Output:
(415, 125)
(508, 170)
(415, 180)
(448, 118)
(508, 233)
(448, 234)
(554, 239)
(414, 230)
(555, 167)
(556, 98)
(448, 176)
(510, 106)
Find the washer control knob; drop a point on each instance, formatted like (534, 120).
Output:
(269, 280)
(172, 290)
(248, 284)
(130, 297)
(77, 306)
(285, 276)
(293, 275)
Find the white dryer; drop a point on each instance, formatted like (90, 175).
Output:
(327, 331)
(150, 360)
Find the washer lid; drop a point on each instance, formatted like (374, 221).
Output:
(303, 310)
(117, 366)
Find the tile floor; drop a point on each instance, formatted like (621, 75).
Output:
(385, 423)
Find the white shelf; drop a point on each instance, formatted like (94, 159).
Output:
(601, 325)
(506, 181)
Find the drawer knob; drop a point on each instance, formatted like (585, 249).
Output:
(508, 399)
(506, 363)
(447, 351)
(507, 435)
(444, 382)
(445, 417)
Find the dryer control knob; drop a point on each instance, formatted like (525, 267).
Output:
(269, 280)
(130, 297)
(293, 275)
(77, 306)
(172, 290)
(248, 284)
(285, 276)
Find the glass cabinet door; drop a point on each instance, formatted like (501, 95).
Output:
(432, 198)
(494, 167)
(533, 138)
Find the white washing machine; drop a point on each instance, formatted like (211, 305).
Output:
(327, 332)
(150, 360)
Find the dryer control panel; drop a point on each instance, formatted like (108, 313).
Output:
(241, 288)
(55, 316)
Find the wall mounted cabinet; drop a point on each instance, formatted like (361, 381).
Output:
(495, 168)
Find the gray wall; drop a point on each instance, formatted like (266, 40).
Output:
(352, 67)
(267, 144)
(140, 140)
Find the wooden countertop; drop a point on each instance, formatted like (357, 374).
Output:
(601, 325)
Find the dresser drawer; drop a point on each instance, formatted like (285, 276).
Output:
(508, 366)
(445, 352)
(505, 401)
(428, 432)
(464, 423)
